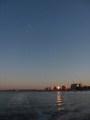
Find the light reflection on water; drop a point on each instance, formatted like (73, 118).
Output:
(59, 101)
(44, 105)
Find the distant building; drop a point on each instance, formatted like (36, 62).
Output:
(53, 88)
(74, 86)
(77, 86)
(64, 88)
(58, 88)
(80, 85)
(49, 88)
(86, 88)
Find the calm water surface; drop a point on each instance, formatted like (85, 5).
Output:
(45, 105)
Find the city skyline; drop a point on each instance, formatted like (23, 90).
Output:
(44, 43)
(72, 87)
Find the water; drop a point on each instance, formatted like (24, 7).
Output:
(43, 105)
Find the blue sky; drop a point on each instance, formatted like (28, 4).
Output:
(53, 50)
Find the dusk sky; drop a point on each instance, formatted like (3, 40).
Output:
(44, 43)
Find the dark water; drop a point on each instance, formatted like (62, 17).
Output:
(45, 105)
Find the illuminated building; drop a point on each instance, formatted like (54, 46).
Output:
(76, 86)
(58, 88)
(53, 88)
(64, 88)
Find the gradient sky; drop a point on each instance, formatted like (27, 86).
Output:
(44, 43)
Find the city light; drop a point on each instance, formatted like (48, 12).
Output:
(58, 87)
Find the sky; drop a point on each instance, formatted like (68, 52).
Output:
(44, 43)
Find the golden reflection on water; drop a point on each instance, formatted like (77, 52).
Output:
(59, 101)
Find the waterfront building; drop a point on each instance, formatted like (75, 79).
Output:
(86, 87)
(64, 88)
(53, 88)
(77, 86)
(74, 86)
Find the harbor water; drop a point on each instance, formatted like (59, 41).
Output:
(44, 105)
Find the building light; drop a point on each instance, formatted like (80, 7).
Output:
(58, 87)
